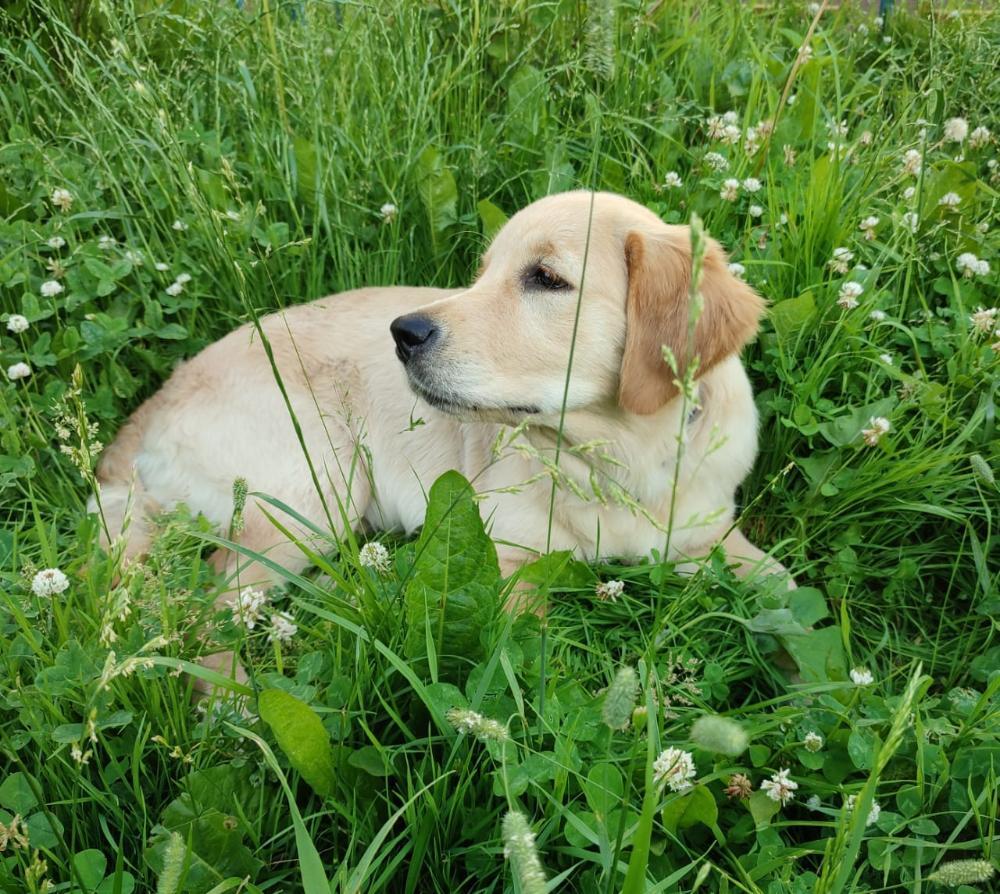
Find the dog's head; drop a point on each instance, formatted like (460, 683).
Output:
(500, 350)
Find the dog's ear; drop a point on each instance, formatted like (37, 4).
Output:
(659, 278)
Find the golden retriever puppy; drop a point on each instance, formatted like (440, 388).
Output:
(564, 330)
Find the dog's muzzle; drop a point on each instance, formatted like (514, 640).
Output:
(414, 334)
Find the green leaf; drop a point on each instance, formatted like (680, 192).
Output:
(452, 593)
(438, 192)
(776, 621)
(604, 788)
(808, 605)
(697, 806)
(16, 794)
(371, 760)
(819, 655)
(301, 736)
(90, 866)
(847, 429)
(762, 808)
(491, 216)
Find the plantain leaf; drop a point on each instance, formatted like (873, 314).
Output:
(438, 191)
(452, 593)
(301, 736)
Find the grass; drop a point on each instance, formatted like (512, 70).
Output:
(253, 149)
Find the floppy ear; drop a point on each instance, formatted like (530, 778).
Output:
(659, 278)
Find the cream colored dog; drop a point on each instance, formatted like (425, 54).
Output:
(477, 382)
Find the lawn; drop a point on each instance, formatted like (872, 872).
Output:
(169, 170)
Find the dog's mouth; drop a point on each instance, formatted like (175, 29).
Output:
(449, 404)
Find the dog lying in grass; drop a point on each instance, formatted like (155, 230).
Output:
(550, 365)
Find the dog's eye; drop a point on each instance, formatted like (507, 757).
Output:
(546, 279)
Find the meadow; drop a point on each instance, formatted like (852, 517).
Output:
(171, 170)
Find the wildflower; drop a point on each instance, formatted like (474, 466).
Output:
(877, 316)
(752, 142)
(519, 848)
(984, 319)
(738, 270)
(790, 155)
(62, 199)
(739, 786)
(18, 371)
(849, 294)
(49, 582)
(783, 219)
(956, 130)
(886, 359)
(765, 128)
(620, 699)
(837, 130)
(813, 741)
(672, 180)
(755, 211)
(792, 99)
(248, 607)
(731, 117)
(979, 138)
(962, 872)
(716, 127)
(866, 138)
(909, 193)
(134, 257)
(179, 225)
(730, 190)
(374, 555)
(731, 134)
(752, 184)
(873, 813)
(609, 590)
(17, 324)
(841, 260)
(805, 54)
(950, 200)
(183, 278)
(106, 243)
(780, 787)
(716, 161)
(175, 288)
(971, 266)
(861, 676)
(813, 8)
(483, 728)
(867, 226)
(15, 834)
(283, 628)
(388, 212)
(912, 162)
(877, 427)
(50, 288)
(55, 242)
(163, 268)
(911, 221)
(675, 768)
(79, 755)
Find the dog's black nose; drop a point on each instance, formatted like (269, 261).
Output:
(412, 333)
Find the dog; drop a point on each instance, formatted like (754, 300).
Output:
(550, 366)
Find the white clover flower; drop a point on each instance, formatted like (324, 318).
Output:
(730, 190)
(783, 219)
(672, 180)
(248, 607)
(886, 359)
(967, 263)
(813, 741)
(49, 582)
(886, 39)
(912, 162)
(737, 269)
(861, 676)
(813, 8)
(909, 192)
(911, 221)
(790, 155)
(731, 135)
(837, 130)
(50, 288)
(62, 199)
(388, 212)
(849, 294)
(179, 225)
(233, 215)
(979, 138)
(55, 242)
(984, 319)
(175, 288)
(792, 99)
(752, 184)
(982, 267)
(877, 316)
(780, 787)
(134, 257)
(731, 117)
(282, 629)
(374, 555)
(106, 243)
(716, 161)
(716, 127)
(163, 268)
(755, 211)
(873, 813)
(18, 371)
(879, 21)
(956, 130)
(814, 803)
(483, 728)
(877, 427)
(841, 260)
(950, 200)
(804, 54)
(17, 324)
(183, 278)
(675, 768)
(867, 226)
(609, 590)
(866, 138)
(752, 142)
